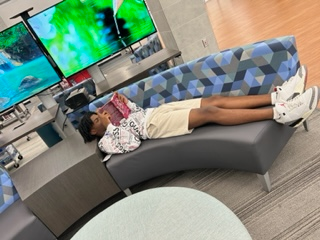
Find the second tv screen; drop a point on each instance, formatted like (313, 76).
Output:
(79, 33)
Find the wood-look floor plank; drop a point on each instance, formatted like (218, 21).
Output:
(238, 22)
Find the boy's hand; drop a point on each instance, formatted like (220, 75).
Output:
(122, 98)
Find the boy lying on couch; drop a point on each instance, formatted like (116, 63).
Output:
(291, 105)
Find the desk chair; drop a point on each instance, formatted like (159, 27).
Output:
(9, 155)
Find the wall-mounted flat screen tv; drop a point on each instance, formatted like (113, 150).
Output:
(79, 33)
(24, 69)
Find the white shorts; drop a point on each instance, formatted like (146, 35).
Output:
(171, 119)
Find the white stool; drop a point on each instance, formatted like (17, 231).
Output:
(165, 213)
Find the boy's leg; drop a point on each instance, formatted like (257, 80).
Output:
(212, 114)
(237, 102)
(296, 110)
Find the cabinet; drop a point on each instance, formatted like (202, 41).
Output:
(64, 183)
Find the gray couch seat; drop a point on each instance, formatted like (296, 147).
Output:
(17, 222)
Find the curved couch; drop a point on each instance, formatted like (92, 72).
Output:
(16, 220)
(251, 69)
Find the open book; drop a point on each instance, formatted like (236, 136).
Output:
(117, 109)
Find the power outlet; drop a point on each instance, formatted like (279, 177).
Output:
(205, 42)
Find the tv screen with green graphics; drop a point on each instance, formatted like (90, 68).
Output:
(79, 33)
(24, 68)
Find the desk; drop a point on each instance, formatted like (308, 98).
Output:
(64, 183)
(35, 121)
(165, 213)
(129, 74)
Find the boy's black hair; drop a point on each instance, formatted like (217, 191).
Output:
(85, 126)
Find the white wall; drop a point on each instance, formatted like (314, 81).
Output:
(184, 25)
(14, 7)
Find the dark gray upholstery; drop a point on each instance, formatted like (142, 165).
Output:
(18, 223)
(249, 147)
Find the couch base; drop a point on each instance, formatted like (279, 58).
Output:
(265, 181)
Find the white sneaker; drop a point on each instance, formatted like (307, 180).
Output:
(295, 111)
(291, 88)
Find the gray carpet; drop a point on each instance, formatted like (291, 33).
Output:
(290, 211)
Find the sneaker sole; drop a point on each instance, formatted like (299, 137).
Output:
(300, 87)
(305, 116)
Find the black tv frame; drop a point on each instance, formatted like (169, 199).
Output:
(94, 63)
(59, 74)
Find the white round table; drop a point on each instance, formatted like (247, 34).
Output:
(165, 213)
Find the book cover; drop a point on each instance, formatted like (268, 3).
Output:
(117, 109)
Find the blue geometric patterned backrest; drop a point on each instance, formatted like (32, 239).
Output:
(251, 69)
(8, 193)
